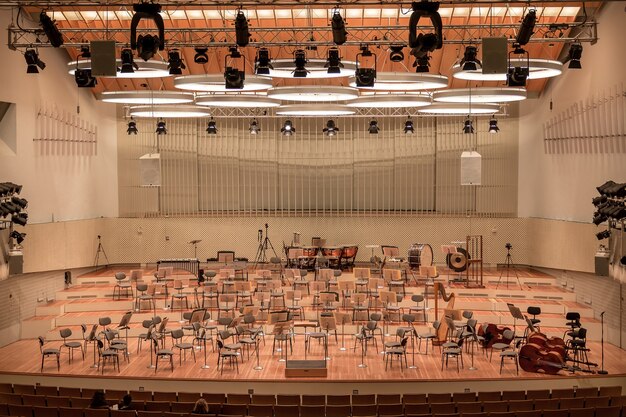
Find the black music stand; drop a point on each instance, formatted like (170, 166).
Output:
(92, 338)
(195, 247)
(124, 325)
(325, 325)
(150, 338)
(343, 318)
(517, 315)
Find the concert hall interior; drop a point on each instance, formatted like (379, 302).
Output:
(395, 208)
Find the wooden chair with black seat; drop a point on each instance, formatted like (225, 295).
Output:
(48, 353)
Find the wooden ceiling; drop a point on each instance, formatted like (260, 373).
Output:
(284, 29)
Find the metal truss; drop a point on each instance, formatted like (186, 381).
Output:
(310, 37)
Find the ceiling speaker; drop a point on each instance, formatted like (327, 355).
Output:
(495, 55)
(470, 168)
(103, 59)
(150, 170)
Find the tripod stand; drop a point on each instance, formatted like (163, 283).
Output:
(100, 249)
(264, 244)
(508, 265)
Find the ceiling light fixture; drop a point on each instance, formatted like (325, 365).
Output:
(214, 83)
(20, 219)
(480, 95)
(573, 56)
(132, 127)
(526, 28)
(50, 29)
(538, 68)
(175, 62)
(201, 56)
(33, 62)
(468, 127)
(235, 70)
(390, 101)
(287, 129)
(254, 129)
(333, 62)
(84, 79)
(242, 33)
(331, 128)
(299, 60)
(316, 68)
(313, 93)
(85, 52)
(459, 108)
(365, 74)
(212, 127)
(314, 110)
(422, 44)
(19, 237)
(373, 128)
(147, 45)
(262, 62)
(179, 111)
(493, 125)
(470, 62)
(128, 61)
(408, 126)
(249, 101)
(146, 97)
(395, 53)
(339, 28)
(141, 69)
(605, 234)
(405, 81)
(161, 129)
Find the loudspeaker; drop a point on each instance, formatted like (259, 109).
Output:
(470, 168)
(103, 62)
(150, 170)
(16, 264)
(495, 55)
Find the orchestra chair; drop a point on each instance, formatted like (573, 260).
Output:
(183, 347)
(428, 337)
(122, 284)
(162, 353)
(573, 322)
(501, 346)
(295, 296)
(419, 307)
(365, 336)
(105, 355)
(454, 350)
(71, 345)
(49, 352)
(145, 293)
(534, 311)
(578, 346)
(397, 352)
(146, 324)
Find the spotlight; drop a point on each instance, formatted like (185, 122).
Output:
(21, 202)
(605, 234)
(493, 125)
(333, 62)
(255, 129)
(373, 128)
(51, 30)
(287, 129)
(422, 64)
(85, 52)
(396, 54)
(32, 61)
(526, 28)
(175, 63)
(469, 61)
(365, 77)
(262, 62)
(331, 128)
(300, 62)
(408, 126)
(212, 127)
(84, 79)
(421, 44)
(574, 55)
(234, 77)
(132, 127)
(599, 218)
(147, 46)
(128, 61)
(20, 219)
(339, 28)
(201, 56)
(596, 201)
(467, 126)
(10, 208)
(603, 189)
(516, 76)
(19, 237)
(242, 34)
(161, 129)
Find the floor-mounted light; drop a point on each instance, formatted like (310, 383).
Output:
(161, 129)
(132, 127)
(373, 128)
(287, 129)
(331, 128)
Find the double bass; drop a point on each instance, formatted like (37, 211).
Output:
(492, 333)
(555, 344)
(534, 358)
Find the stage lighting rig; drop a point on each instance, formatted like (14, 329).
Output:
(468, 127)
(161, 128)
(573, 56)
(333, 62)
(175, 63)
(339, 28)
(33, 62)
(422, 44)
(517, 76)
(20, 219)
(19, 237)
(254, 129)
(526, 28)
(287, 129)
(470, 62)
(262, 62)
(132, 127)
(373, 128)
(395, 53)
(242, 32)
(299, 60)
(493, 125)
(21, 202)
(50, 29)
(84, 79)
(147, 45)
(234, 72)
(365, 72)
(331, 128)
(408, 126)
(201, 56)
(211, 127)
(605, 234)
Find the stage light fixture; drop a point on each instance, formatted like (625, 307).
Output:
(365, 76)
(242, 33)
(128, 61)
(493, 125)
(50, 29)
(602, 189)
(395, 53)
(422, 64)
(300, 63)
(573, 56)
(132, 127)
(263, 62)
(32, 61)
(470, 62)
(596, 201)
(468, 127)
(526, 28)
(331, 128)
(517, 76)
(21, 202)
(408, 126)
(254, 129)
(212, 127)
(599, 218)
(84, 79)
(175, 63)
(339, 28)
(605, 234)
(147, 45)
(373, 128)
(234, 73)
(422, 44)
(161, 128)
(85, 52)
(287, 129)
(333, 62)
(20, 219)
(19, 237)
(201, 56)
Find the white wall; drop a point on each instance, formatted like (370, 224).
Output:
(560, 185)
(61, 181)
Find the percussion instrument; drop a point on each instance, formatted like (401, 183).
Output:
(309, 251)
(332, 251)
(188, 264)
(457, 261)
(420, 254)
(348, 254)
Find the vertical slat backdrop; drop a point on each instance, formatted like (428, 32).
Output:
(353, 173)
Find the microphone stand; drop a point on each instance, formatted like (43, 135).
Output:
(602, 371)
